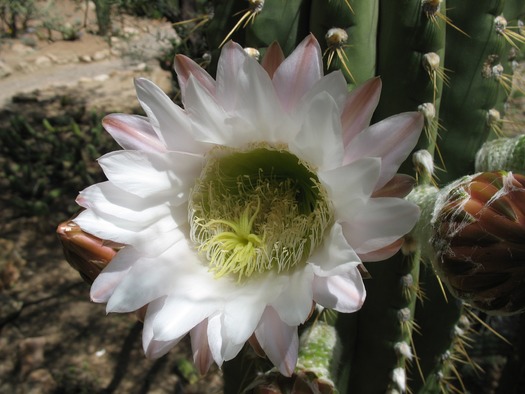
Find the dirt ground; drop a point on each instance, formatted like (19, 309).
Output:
(52, 338)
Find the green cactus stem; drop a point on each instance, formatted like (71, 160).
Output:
(355, 56)
(474, 88)
(502, 154)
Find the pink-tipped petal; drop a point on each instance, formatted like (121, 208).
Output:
(399, 186)
(201, 350)
(279, 341)
(211, 125)
(273, 58)
(379, 223)
(359, 108)
(133, 132)
(391, 139)
(245, 92)
(344, 293)
(383, 253)
(299, 72)
(170, 122)
(228, 74)
(185, 67)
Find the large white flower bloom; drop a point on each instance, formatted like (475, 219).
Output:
(256, 200)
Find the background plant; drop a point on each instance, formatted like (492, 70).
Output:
(45, 162)
(15, 14)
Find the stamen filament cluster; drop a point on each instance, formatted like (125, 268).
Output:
(257, 210)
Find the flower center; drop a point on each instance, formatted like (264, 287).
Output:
(257, 210)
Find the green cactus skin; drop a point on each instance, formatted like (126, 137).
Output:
(473, 90)
(318, 352)
(437, 317)
(283, 21)
(361, 27)
(269, 27)
(385, 320)
(502, 154)
(405, 35)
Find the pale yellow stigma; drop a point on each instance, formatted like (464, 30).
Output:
(234, 251)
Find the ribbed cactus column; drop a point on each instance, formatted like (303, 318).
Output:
(348, 35)
(474, 87)
(411, 55)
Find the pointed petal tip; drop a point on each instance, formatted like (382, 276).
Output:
(273, 58)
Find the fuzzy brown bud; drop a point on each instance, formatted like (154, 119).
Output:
(479, 239)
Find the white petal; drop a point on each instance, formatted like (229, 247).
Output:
(113, 274)
(228, 72)
(279, 341)
(202, 357)
(241, 316)
(215, 338)
(298, 72)
(221, 348)
(129, 211)
(208, 118)
(343, 293)
(248, 95)
(151, 239)
(168, 119)
(334, 256)
(379, 223)
(146, 174)
(334, 84)
(133, 132)
(179, 315)
(391, 139)
(151, 278)
(295, 303)
(153, 348)
(351, 185)
(319, 141)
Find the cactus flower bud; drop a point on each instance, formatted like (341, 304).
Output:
(85, 252)
(479, 238)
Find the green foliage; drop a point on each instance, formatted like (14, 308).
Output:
(103, 12)
(169, 9)
(15, 14)
(44, 165)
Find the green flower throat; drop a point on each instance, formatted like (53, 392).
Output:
(256, 211)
